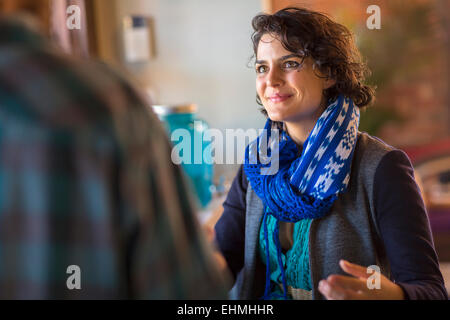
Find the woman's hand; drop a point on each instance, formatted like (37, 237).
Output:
(338, 287)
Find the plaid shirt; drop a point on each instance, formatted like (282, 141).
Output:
(86, 180)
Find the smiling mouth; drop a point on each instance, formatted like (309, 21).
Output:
(279, 98)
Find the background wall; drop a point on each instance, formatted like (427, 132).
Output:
(202, 50)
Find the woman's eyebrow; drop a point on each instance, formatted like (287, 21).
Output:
(293, 55)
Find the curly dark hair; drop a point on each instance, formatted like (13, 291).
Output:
(328, 43)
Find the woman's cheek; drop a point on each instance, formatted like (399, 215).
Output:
(260, 88)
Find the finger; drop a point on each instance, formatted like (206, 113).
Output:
(337, 293)
(347, 282)
(330, 293)
(354, 269)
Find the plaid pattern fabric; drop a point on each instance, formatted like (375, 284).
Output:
(86, 179)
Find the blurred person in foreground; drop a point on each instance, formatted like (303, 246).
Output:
(340, 201)
(86, 180)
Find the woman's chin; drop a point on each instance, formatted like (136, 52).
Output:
(275, 116)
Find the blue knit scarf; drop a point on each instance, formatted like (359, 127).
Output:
(302, 187)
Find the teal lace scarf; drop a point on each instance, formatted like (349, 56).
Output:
(295, 261)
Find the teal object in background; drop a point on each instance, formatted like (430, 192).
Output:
(199, 171)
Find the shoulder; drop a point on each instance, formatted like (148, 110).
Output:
(374, 155)
(371, 145)
(386, 170)
(238, 190)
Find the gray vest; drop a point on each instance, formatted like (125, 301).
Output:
(348, 232)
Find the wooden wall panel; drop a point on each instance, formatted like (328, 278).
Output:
(72, 41)
(39, 8)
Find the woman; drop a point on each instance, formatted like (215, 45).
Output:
(339, 200)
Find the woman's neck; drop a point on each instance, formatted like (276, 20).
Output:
(299, 131)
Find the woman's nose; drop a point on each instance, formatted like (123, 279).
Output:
(274, 78)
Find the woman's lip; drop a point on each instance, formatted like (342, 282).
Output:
(279, 98)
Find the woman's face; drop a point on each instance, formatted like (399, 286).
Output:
(289, 90)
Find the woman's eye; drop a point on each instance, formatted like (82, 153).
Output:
(291, 64)
(261, 69)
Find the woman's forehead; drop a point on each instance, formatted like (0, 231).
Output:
(270, 45)
(269, 38)
(270, 42)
